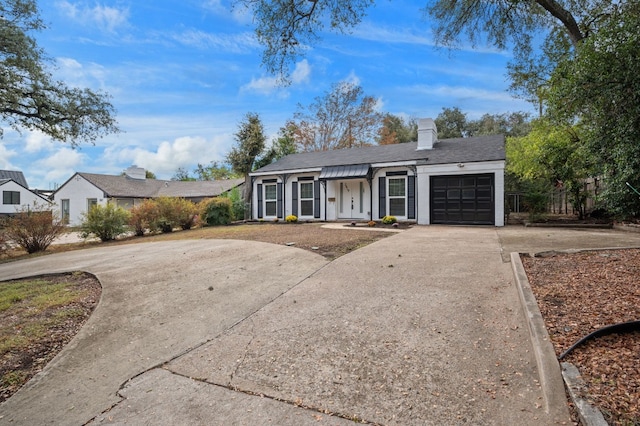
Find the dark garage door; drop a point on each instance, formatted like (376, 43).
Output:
(462, 199)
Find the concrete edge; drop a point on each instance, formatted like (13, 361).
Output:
(551, 382)
(589, 414)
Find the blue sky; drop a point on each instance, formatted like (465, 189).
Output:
(182, 76)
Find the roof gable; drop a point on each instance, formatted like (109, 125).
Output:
(458, 150)
(14, 175)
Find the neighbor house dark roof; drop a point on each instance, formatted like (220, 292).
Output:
(446, 151)
(126, 187)
(14, 175)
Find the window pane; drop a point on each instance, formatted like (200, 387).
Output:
(269, 192)
(10, 197)
(306, 208)
(397, 187)
(306, 190)
(270, 208)
(396, 207)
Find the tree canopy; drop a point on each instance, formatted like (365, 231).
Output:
(343, 118)
(250, 143)
(395, 129)
(30, 98)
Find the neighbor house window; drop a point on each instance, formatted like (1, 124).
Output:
(10, 197)
(306, 199)
(397, 196)
(270, 199)
(64, 210)
(91, 202)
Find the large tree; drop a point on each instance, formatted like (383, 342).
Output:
(600, 85)
(343, 118)
(555, 155)
(250, 143)
(283, 145)
(30, 98)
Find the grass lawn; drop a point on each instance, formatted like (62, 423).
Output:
(38, 317)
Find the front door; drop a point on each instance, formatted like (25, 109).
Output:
(352, 196)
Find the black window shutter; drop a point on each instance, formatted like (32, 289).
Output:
(279, 199)
(294, 198)
(260, 201)
(411, 193)
(316, 199)
(382, 199)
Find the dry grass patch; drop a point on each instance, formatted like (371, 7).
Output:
(38, 316)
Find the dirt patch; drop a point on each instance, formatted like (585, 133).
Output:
(579, 293)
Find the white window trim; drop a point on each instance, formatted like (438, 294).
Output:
(301, 199)
(273, 200)
(395, 197)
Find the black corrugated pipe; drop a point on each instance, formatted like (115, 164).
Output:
(622, 327)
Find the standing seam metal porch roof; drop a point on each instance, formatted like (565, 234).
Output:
(344, 172)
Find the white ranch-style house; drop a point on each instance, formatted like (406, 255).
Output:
(431, 181)
(83, 190)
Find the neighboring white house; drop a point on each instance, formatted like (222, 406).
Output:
(451, 181)
(16, 194)
(83, 190)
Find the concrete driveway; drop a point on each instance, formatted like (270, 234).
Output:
(423, 327)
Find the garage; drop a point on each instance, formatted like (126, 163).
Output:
(462, 199)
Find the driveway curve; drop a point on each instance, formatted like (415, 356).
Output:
(159, 300)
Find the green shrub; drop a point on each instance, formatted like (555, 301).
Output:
(105, 222)
(536, 199)
(185, 213)
(216, 211)
(388, 220)
(237, 203)
(144, 216)
(33, 228)
(168, 208)
(291, 218)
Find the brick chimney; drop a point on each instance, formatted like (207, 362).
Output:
(135, 172)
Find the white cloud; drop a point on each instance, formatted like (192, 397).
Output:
(5, 156)
(185, 151)
(104, 17)
(352, 78)
(60, 166)
(235, 43)
(268, 84)
(37, 141)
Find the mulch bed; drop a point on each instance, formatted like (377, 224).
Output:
(579, 293)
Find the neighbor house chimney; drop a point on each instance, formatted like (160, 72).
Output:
(135, 172)
(427, 133)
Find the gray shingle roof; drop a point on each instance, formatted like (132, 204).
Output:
(14, 175)
(126, 187)
(446, 151)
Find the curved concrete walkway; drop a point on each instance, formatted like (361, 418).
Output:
(424, 327)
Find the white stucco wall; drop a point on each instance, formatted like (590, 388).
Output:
(27, 198)
(78, 191)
